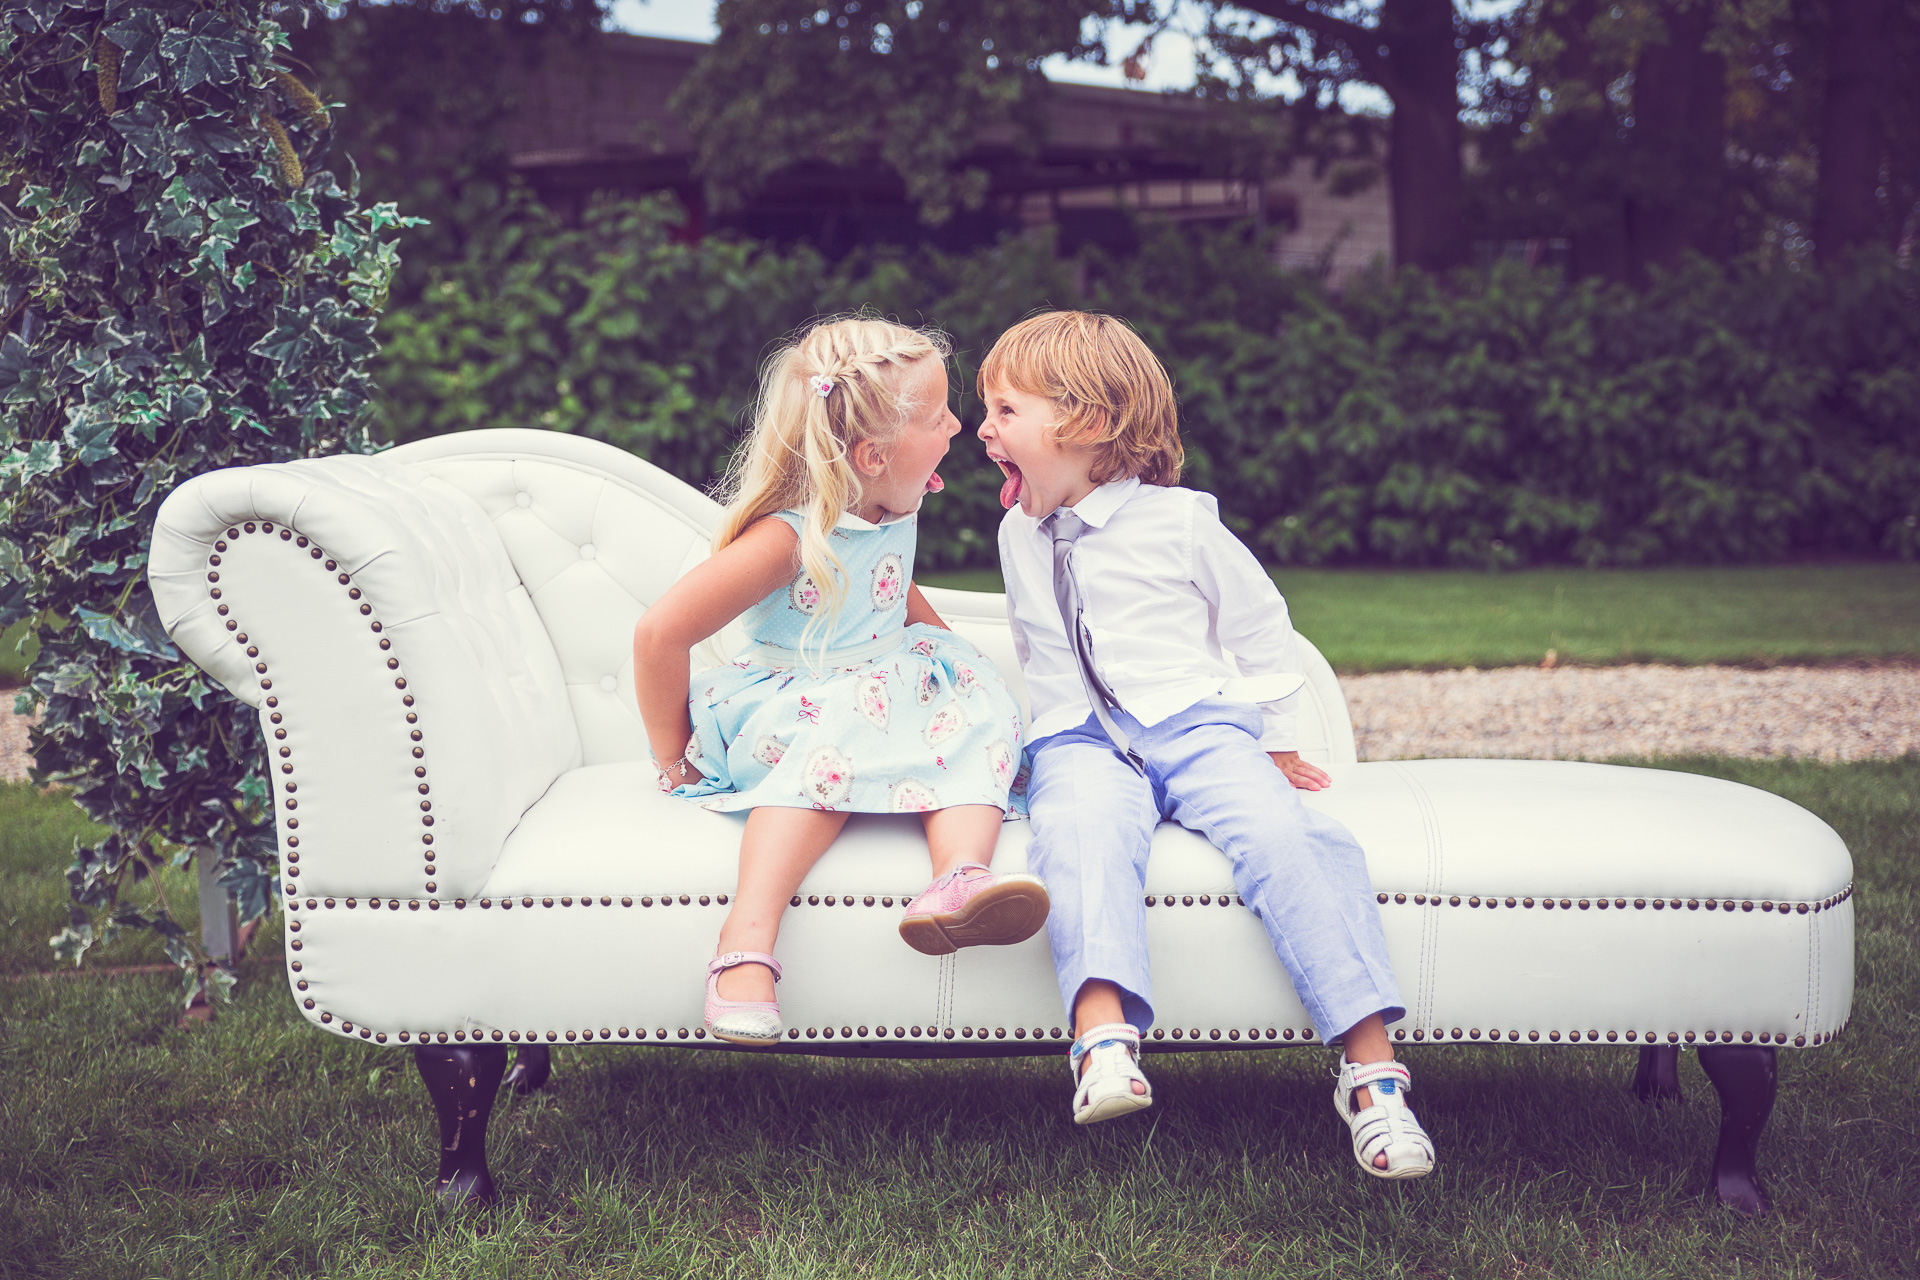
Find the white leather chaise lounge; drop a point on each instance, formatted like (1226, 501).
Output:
(438, 643)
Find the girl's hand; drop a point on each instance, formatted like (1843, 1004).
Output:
(1304, 776)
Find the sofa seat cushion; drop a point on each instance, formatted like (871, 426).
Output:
(1726, 912)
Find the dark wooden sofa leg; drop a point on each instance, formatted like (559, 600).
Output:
(1745, 1077)
(462, 1080)
(532, 1064)
(1658, 1077)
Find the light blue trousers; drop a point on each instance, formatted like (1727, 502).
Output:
(1300, 872)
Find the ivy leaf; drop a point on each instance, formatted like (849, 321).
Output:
(138, 35)
(20, 373)
(71, 943)
(138, 638)
(288, 338)
(149, 137)
(90, 436)
(207, 51)
(210, 134)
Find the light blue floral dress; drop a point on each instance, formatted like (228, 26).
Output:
(894, 719)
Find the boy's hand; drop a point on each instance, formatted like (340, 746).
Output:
(1306, 777)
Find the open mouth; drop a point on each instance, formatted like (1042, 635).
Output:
(1010, 491)
(935, 484)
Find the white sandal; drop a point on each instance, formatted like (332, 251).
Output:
(1388, 1126)
(1104, 1090)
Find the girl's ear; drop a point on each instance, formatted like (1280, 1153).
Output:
(868, 459)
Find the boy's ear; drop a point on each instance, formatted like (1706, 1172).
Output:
(868, 459)
(1078, 430)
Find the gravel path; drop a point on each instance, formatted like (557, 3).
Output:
(14, 759)
(1822, 713)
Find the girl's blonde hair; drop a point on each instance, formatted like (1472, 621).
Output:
(799, 454)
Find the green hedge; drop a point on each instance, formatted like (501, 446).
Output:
(1492, 419)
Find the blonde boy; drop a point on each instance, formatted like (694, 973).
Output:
(1168, 698)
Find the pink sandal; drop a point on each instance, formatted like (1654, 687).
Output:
(970, 906)
(755, 1023)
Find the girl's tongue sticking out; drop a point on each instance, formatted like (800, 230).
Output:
(1010, 491)
(935, 484)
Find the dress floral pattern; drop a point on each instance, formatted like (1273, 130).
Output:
(898, 719)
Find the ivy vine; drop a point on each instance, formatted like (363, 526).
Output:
(186, 289)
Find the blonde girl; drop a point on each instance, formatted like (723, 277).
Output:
(854, 696)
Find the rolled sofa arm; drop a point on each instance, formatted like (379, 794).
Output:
(411, 700)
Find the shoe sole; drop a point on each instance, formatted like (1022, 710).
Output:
(1011, 911)
(1113, 1107)
(745, 1042)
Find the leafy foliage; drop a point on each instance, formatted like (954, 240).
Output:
(432, 87)
(1506, 418)
(184, 291)
(917, 82)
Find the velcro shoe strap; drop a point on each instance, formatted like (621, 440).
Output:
(1106, 1033)
(1359, 1077)
(734, 959)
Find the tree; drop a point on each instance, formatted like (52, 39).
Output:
(430, 87)
(1852, 137)
(1648, 129)
(919, 82)
(916, 82)
(184, 290)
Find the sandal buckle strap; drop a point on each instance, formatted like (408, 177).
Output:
(734, 959)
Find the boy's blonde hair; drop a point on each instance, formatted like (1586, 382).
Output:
(799, 454)
(1113, 396)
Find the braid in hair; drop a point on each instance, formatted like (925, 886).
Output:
(799, 455)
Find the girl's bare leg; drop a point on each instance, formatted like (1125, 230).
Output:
(779, 848)
(963, 833)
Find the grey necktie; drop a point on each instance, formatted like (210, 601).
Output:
(1065, 527)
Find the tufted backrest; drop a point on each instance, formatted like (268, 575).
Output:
(597, 536)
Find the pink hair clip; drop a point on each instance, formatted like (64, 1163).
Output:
(822, 386)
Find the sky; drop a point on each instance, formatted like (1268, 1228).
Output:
(1169, 66)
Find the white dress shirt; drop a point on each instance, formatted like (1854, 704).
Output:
(1177, 607)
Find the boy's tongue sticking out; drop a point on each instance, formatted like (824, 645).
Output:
(1010, 490)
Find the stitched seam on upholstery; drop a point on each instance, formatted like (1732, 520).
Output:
(1430, 922)
(1815, 928)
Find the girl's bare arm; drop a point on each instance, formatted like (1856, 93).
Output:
(918, 610)
(763, 558)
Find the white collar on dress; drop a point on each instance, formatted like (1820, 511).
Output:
(848, 520)
(1098, 507)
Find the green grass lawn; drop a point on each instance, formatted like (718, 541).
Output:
(1377, 620)
(37, 832)
(133, 1147)
(13, 658)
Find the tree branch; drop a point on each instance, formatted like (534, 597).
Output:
(1362, 43)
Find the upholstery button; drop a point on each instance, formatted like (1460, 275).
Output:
(523, 499)
(608, 684)
(587, 551)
